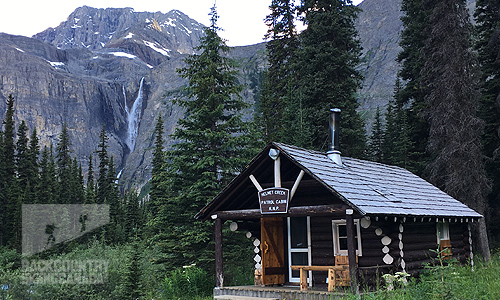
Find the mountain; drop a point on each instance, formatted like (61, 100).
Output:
(108, 67)
(379, 27)
(116, 68)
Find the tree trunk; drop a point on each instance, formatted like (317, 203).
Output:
(480, 239)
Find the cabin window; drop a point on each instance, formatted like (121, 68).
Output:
(340, 238)
(299, 245)
(443, 231)
(443, 239)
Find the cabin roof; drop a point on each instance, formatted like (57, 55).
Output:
(368, 187)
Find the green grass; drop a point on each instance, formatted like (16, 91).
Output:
(447, 281)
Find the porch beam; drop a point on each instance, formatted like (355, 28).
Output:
(296, 184)
(219, 273)
(277, 172)
(351, 250)
(299, 211)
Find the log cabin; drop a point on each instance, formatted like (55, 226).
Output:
(320, 219)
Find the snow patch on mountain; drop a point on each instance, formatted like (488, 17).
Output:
(157, 49)
(123, 54)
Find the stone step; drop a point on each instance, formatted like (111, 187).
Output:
(232, 297)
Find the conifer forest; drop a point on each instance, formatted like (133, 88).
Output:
(443, 124)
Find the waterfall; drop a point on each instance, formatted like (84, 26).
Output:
(133, 118)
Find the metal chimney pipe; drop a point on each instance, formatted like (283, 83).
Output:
(333, 149)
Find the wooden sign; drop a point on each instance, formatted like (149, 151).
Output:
(274, 200)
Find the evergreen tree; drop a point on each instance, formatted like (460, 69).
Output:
(63, 166)
(90, 197)
(46, 190)
(3, 196)
(23, 187)
(487, 17)
(375, 145)
(132, 223)
(75, 189)
(327, 76)
(451, 98)
(396, 143)
(411, 95)
(116, 232)
(158, 193)
(22, 160)
(113, 198)
(278, 86)
(107, 190)
(212, 146)
(132, 282)
(488, 45)
(9, 187)
(102, 181)
(8, 142)
(33, 167)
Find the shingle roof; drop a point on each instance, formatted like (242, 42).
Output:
(374, 188)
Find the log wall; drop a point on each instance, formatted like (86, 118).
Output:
(386, 244)
(379, 241)
(321, 246)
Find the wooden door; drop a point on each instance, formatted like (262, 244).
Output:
(273, 252)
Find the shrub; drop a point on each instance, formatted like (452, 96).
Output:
(189, 282)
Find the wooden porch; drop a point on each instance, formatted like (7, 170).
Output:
(277, 293)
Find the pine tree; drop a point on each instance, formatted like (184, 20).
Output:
(396, 143)
(132, 224)
(488, 45)
(278, 86)
(107, 190)
(375, 144)
(3, 196)
(9, 146)
(102, 181)
(158, 193)
(487, 17)
(451, 97)
(46, 190)
(113, 199)
(75, 189)
(212, 146)
(33, 167)
(22, 160)
(9, 185)
(411, 95)
(132, 282)
(90, 197)
(327, 76)
(63, 166)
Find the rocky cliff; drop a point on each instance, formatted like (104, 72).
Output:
(116, 68)
(112, 68)
(379, 27)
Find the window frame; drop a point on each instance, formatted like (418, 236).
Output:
(336, 239)
(442, 231)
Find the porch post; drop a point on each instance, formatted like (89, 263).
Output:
(219, 277)
(351, 250)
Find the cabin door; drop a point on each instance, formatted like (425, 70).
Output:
(272, 249)
(299, 245)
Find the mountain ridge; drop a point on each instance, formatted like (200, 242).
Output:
(87, 73)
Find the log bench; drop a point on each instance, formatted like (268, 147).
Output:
(332, 279)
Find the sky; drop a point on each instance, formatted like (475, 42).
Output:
(241, 20)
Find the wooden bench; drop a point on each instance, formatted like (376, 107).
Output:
(332, 279)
